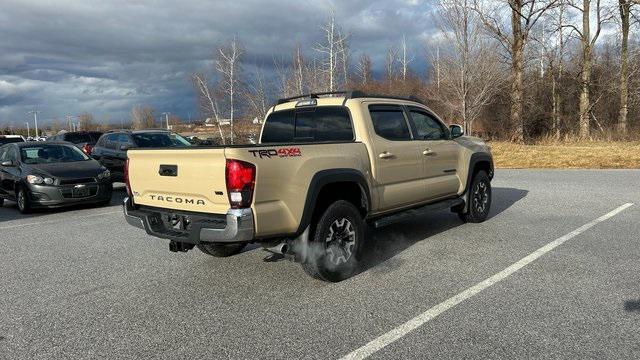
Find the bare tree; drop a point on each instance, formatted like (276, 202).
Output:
(257, 95)
(624, 8)
(229, 67)
(390, 64)
(85, 121)
(207, 100)
(344, 59)
(553, 50)
(299, 69)
(587, 42)
(363, 69)
(142, 117)
(524, 14)
(470, 71)
(330, 50)
(404, 59)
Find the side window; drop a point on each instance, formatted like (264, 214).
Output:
(124, 139)
(111, 141)
(323, 123)
(426, 127)
(278, 128)
(389, 122)
(3, 153)
(12, 155)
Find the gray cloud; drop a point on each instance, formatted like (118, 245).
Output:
(106, 56)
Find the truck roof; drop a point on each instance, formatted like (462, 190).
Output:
(337, 98)
(346, 95)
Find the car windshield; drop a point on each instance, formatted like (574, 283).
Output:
(47, 154)
(7, 140)
(156, 140)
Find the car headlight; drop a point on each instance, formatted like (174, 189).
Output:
(37, 180)
(48, 181)
(104, 175)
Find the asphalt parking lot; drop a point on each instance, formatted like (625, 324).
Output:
(82, 284)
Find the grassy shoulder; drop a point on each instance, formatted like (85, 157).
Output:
(570, 155)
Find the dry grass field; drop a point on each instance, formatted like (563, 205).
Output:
(567, 155)
(548, 153)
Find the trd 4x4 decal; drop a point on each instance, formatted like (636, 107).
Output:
(283, 152)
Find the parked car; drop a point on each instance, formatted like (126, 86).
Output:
(6, 139)
(111, 148)
(50, 175)
(84, 140)
(324, 167)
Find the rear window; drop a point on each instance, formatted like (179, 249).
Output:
(77, 138)
(159, 140)
(312, 124)
(8, 140)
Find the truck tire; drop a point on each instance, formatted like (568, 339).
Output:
(221, 250)
(337, 243)
(479, 199)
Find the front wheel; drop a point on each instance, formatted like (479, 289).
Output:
(336, 246)
(22, 198)
(479, 199)
(221, 250)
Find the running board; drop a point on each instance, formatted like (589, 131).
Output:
(407, 214)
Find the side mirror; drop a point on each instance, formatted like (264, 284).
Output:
(124, 147)
(7, 163)
(456, 131)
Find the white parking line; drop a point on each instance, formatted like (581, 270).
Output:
(59, 220)
(402, 330)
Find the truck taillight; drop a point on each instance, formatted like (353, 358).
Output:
(241, 178)
(126, 179)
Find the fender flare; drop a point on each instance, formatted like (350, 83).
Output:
(473, 161)
(326, 177)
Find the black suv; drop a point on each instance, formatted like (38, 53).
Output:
(111, 149)
(85, 140)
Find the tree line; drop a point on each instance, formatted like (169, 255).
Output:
(507, 69)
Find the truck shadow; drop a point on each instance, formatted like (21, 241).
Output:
(9, 211)
(385, 243)
(632, 305)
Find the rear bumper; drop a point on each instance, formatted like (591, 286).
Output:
(235, 226)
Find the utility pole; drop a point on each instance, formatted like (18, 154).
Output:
(35, 119)
(166, 115)
(28, 130)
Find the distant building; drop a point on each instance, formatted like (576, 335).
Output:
(214, 122)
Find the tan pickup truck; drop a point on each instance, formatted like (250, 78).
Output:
(327, 166)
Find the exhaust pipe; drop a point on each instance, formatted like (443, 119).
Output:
(282, 248)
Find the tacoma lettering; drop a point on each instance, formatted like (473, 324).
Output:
(178, 200)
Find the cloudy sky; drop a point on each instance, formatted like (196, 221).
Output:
(105, 56)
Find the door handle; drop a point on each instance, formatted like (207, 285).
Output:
(428, 152)
(386, 155)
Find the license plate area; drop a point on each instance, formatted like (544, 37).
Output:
(80, 192)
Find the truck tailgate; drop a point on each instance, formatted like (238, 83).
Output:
(197, 184)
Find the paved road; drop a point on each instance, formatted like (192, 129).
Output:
(83, 284)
